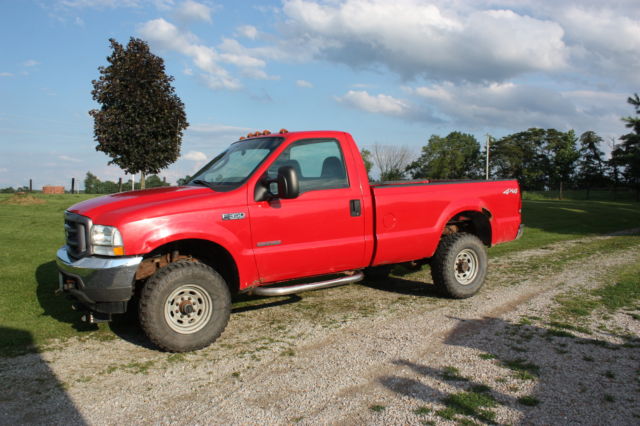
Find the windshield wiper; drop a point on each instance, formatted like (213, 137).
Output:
(203, 182)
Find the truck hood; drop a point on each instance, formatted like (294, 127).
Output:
(115, 209)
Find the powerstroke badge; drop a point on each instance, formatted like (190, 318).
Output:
(232, 216)
(510, 191)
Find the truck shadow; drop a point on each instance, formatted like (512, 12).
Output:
(245, 303)
(597, 379)
(30, 393)
(55, 306)
(127, 326)
(403, 286)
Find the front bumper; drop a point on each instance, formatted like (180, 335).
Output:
(102, 284)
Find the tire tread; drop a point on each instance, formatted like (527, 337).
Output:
(443, 278)
(153, 287)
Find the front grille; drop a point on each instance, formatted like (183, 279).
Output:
(76, 230)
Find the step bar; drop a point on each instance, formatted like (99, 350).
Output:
(299, 288)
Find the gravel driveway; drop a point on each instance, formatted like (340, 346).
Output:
(387, 353)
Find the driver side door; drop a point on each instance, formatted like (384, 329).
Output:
(320, 231)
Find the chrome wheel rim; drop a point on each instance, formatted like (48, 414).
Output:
(188, 309)
(466, 266)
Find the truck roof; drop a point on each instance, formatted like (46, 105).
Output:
(284, 132)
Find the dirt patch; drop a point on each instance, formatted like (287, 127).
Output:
(23, 199)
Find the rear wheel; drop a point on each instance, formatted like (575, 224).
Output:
(185, 306)
(459, 265)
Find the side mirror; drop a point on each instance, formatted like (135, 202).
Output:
(286, 181)
(288, 185)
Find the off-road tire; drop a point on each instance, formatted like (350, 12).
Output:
(194, 284)
(459, 266)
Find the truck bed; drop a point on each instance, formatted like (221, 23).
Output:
(411, 215)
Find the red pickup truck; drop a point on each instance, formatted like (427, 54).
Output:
(270, 209)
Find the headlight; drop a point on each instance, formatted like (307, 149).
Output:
(106, 240)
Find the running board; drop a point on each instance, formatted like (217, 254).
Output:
(292, 289)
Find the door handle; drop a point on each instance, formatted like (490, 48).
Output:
(354, 208)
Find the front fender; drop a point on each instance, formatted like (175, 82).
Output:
(144, 236)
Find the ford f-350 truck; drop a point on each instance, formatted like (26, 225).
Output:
(270, 209)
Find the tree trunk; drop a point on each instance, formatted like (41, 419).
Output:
(560, 190)
(588, 192)
(141, 180)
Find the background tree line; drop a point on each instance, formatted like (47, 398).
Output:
(93, 185)
(541, 159)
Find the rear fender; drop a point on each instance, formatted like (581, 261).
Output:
(482, 219)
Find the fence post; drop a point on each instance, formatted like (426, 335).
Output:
(30, 185)
(73, 185)
(120, 184)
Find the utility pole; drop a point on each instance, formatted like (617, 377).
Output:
(487, 148)
(614, 167)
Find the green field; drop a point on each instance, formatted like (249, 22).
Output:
(30, 234)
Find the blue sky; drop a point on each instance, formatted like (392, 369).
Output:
(387, 72)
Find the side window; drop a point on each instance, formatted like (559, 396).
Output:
(318, 162)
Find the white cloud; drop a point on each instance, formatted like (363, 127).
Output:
(512, 106)
(70, 159)
(248, 31)
(99, 4)
(76, 5)
(461, 41)
(415, 38)
(165, 35)
(205, 137)
(6, 74)
(30, 63)
(303, 83)
(217, 128)
(237, 54)
(379, 104)
(246, 59)
(193, 11)
(195, 156)
(604, 41)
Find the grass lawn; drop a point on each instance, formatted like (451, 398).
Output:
(549, 221)
(30, 313)
(30, 235)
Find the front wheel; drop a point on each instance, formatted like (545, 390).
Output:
(459, 265)
(185, 306)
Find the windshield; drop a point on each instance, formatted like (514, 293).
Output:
(233, 167)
